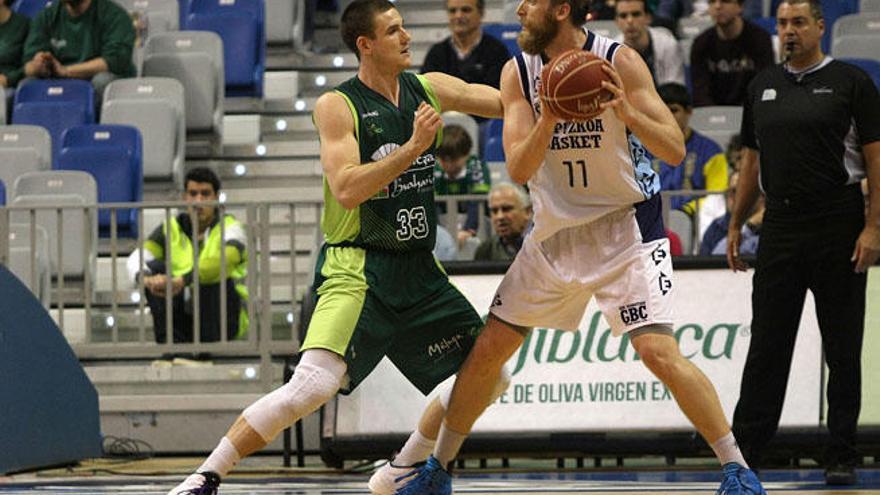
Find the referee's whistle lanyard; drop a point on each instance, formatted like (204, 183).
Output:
(798, 75)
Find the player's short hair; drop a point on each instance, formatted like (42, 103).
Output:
(357, 20)
(579, 10)
(203, 175)
(675, 93)
(456, 142)
(815, 7)
(481, 5)
(645, 7)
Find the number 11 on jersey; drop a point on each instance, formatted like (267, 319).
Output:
(577, 172)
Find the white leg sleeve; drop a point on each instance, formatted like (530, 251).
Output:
(500, 387)
(316, 379)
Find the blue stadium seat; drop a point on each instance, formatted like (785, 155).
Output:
(494, 150)
(507, 33)
(872, 67)
(768, 23)
(184, 11)
(30, 8)
(55, 104)
(113, 154)
(241, 25)
(492, 128)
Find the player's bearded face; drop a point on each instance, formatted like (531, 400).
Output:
(536, 36)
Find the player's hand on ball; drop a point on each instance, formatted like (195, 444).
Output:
(425, 126)
(623, 109)
(547, 113)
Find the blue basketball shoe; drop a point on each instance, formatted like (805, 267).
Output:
(429, 479)
(739, 480)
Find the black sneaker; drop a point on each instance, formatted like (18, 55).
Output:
(840, 474)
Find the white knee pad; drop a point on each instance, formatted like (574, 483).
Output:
(316, 380)
(500, 387)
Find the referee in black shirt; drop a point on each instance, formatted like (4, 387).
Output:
(815, 124)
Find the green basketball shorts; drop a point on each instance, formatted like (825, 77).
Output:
(373, 303)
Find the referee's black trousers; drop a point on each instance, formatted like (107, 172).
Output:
(804, 250)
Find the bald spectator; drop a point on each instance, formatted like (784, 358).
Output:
(468, 53)
(81, 39)
(13, 31)
(657, 46)
(511, 211)
(726, 57)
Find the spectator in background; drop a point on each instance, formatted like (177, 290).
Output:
(81, 39)
(460, 172)
(676, 248)
(13, 31)
(511, 212)
(601, 10)
(467, 54)
(445, 247)
(726, 57)
(670, 11)
(704, 166)
(714, 240)
(201, 184)
(657, 46)
(811, 133)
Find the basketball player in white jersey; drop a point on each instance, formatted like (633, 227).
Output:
(597, 232)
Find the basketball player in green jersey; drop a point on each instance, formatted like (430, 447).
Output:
(380, 292)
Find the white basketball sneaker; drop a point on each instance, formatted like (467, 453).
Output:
(388, 478)
(205, 483)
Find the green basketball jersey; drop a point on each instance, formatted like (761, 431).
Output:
(400, 217)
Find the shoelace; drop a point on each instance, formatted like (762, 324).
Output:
(422, 480)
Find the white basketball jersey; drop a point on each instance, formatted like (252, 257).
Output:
(590, 168)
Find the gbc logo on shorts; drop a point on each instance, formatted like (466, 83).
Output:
(634, 313)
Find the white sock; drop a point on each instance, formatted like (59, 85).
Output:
(416, 449)
(448, 444)
(222, 459)
(727, 450)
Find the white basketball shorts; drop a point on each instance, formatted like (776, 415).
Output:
(551, 282)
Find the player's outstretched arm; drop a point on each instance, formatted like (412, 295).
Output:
(638, 105)
(525, 140)
(455, 94)
(351, 182)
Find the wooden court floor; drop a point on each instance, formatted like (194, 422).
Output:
(791, 482)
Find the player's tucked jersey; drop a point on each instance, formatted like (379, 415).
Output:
(401, 217)
(590, 168)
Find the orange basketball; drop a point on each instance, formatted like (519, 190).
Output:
(571, 84)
